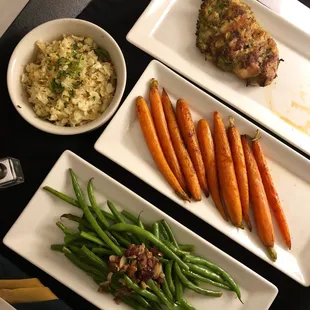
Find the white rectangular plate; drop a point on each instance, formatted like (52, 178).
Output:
(123, 142)
(166, 30)
(35, 230)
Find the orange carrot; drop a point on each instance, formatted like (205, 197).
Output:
(163, 132)
(226, 172)
(187, 128)
(271, 192)
(208, 155)
(259, 200)
(240, 169)
(151, 139)
(180, 149)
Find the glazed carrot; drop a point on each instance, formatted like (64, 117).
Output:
(240, 169)
(208, 155)
(259, 201)
(180, 149)
(187, 128)
(226, 172)
(163, 132)
(271, 192)
(150, 136)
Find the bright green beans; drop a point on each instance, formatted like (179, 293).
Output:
(72, 238)
(121, 239)
(64, 229)
(93, 202)
(207, 273)
(155, 305)
(120, 219)
(143, 302)
(186, 305)
(166, 290)
(163, 232)
(155, 229)
(90, 218)
(173, 248)
(206, 280)
(186, 247)
(160, 294)
(130, 217)
(96, 260)
(201, 261)
(57, 247)
(132, 303)
(77, 219)
(85, 267)
(150, 237)
(178, 288)
(168, 274)
(108, 216)
(170, 233)
(102, 251)
(91, 238)
(145, 293)
(192, 286)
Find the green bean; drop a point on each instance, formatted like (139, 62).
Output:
(96, 260)
(206, 280)
(192, 286)
(93, 202)
(57, 247)
(141, 300)
(170, 233)
(162, 231)
(193, 280)
(155, 305)
(120, 219)
(89, 216)
(178, 289)
(135, 287)
(91, 238)
(113, 238)
(186, 247)
(109, 216)
(134, 219)
(163, 260)
(216, 269)
(64, 229)
(132, 303)
(85, 267)
(155, 229)
(81, 227)
(173, 248)
(168, 274)
(207, 273)
(88, 244)
(150, 237)
(77, 219)
(160, 294)
(121, 239)
(102, 251)
(166, 290)
(186, 305)
(71, 238)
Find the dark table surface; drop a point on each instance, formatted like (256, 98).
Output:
(38, 151)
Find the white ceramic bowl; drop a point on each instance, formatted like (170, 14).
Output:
(25, 52)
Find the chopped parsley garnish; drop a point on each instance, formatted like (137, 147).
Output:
(56, 87)
(102, 54)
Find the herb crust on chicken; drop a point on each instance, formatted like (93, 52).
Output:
(229, 35)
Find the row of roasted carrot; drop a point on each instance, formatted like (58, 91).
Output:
(225, 165)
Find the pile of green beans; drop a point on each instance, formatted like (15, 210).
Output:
(102, 234)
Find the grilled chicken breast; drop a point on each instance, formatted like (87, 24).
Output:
(229, 35)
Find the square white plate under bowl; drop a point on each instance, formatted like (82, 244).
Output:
(35, 230)
(166, 30)
(123, 142)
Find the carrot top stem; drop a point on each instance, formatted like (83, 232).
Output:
(257, 136)
(273, 254)
(154, 83)
(231, 121)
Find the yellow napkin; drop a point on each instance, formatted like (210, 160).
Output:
(25, 290)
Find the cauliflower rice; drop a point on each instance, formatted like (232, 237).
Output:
(71, 82)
